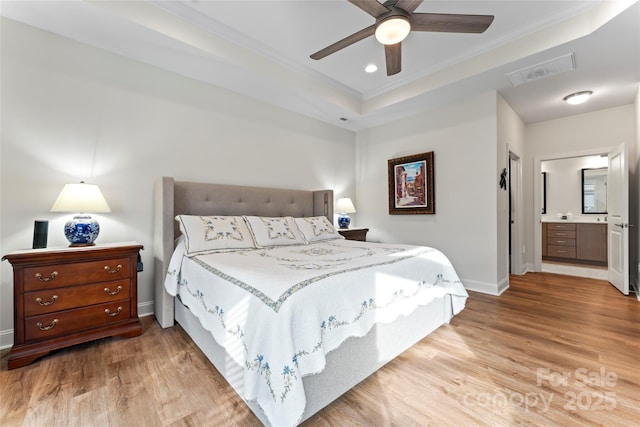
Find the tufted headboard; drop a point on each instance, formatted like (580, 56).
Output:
(173, 198)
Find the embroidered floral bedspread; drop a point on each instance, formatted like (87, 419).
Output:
(278, 311)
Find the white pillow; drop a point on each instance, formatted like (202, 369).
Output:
(317, 228)
(275, 231)
(205, 234)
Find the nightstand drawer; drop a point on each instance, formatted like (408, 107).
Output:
(59, 275)
(50, 300)
(54, 324)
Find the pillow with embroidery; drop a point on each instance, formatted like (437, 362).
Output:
(206, 234)
(275, 231)
(317, 228)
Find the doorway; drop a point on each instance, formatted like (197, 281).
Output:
(560, 203)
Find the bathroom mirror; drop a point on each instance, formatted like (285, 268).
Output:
(594, 191)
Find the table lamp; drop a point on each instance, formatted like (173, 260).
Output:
(81, 230)
(344, 206)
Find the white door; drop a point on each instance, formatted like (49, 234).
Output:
(618, 218)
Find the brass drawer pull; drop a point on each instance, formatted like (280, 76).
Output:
(116, 292)
(46, 328)
(46, 279)
(110, 314)
(46, 303)
(111, 271)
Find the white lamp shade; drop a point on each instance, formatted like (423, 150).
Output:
(345, 205)
(81, 198)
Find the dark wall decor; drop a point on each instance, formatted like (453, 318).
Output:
(503, 179)
(411, 185)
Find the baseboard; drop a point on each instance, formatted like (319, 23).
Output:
(486, 288)
(503, 285)
(145, 309)
(6, 337)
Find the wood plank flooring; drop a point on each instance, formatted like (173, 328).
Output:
(552, 350)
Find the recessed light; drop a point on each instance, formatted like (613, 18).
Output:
(371, 68)
(578, 97)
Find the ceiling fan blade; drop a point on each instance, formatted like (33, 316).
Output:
(372, 7)
(347, 41)
(450, 23)
(409, 5)
(393, 56)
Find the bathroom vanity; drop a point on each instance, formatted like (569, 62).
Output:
(575, 242)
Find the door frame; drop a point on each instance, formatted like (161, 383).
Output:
(516, 265)
(537, 190)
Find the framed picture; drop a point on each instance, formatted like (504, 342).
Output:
(411, 185)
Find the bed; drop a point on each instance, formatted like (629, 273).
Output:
(312, 316)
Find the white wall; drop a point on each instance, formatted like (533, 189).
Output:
(564, 185)
(463, 139)
(510, 140)
(71, 112)
(589, 133)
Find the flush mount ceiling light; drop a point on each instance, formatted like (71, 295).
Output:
(578, 97)
(393, 30)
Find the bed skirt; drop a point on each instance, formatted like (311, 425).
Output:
(352, 362)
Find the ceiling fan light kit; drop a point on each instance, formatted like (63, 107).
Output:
(395, 19)
(392, 30)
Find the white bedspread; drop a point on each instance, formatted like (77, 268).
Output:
(279, 311)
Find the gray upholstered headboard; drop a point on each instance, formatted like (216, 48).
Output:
(173, 198)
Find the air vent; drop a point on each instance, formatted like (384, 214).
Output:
(544, 69)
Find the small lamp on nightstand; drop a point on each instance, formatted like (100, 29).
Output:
(344, 206)
(81, 230)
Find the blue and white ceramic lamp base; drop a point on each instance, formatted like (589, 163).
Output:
(344, 220)
(82, 230)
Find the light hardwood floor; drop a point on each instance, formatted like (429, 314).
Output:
(552, 350)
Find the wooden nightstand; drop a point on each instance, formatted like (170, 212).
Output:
(67, 296)
(354, 233)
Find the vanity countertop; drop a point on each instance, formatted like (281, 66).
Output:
(580, 219)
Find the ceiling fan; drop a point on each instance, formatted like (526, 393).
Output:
(395, 19)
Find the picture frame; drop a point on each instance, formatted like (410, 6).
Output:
(412, 185)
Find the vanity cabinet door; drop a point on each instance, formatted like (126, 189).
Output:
(591, 242)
